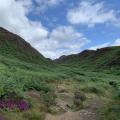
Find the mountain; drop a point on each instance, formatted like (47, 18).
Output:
(100, 58)
(14, 47)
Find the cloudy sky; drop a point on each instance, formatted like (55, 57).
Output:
(63, 27)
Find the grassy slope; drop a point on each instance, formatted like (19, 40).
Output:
(100, 59)
(105, 61)
(13, 46)
(23, 76)
(22, 70)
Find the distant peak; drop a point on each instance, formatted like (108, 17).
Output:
(87, 51)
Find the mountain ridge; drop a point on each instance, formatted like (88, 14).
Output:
(104, 57)
(13, 46)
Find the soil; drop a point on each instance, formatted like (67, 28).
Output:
(89, 113)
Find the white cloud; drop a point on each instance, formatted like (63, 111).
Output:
(62, 40)
(107, 44)
(43, 5)
(117, 42)
(100, 46)
(13, 17)
(91, 13)
(48, 2)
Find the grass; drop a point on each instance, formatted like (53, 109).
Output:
(19, 77)
(23, 71)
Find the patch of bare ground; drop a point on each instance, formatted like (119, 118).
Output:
(89, 113)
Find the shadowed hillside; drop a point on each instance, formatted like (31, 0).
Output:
(13, 46)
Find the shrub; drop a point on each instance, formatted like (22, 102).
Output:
(37, 85)
(49, 98)
(78, 103)
(22, 105)
(12, 104)
(113, 83)
(79, 97)
(10, 89)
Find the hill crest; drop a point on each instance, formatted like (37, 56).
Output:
(14, 46)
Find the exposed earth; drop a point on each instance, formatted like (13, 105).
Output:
(89, 113)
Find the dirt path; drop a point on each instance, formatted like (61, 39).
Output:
(89, 113)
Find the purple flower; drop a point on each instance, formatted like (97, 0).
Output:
(11, 104)
(1, 104)
(23, 105)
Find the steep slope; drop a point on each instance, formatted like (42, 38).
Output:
(105, 57)
(13, 46)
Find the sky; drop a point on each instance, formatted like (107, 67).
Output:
(63, 27)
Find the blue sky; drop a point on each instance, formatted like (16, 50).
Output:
(63, 27)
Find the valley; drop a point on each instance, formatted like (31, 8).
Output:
(76, 87)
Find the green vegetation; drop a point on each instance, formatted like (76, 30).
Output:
(20, 78)
(105, 58)
(27, 75)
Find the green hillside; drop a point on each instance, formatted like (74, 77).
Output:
(39, 83)
(14, 47)
(89, 59)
